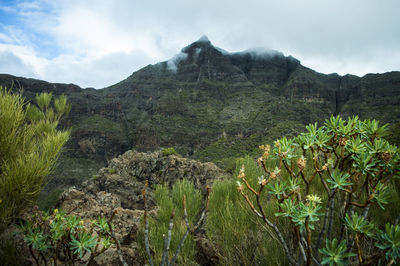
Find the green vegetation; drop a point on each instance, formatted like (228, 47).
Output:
(168, 152)
(78, 169)
(234, 230)
(48, 201)
(215, 107)
(111, 171)
(29, 147)
(65, 238)
(394, 134)
(98, 123)
(172, 223)
(218, 112)
(323, 186)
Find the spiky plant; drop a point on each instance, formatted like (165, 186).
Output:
(346, 166)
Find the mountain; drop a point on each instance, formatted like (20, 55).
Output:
(210, 105)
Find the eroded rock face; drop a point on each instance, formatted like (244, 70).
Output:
(126, 222)
(118, 188)
(126, 175)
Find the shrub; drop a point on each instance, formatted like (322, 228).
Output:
(172, 223)
(65, 238)
(111, 171)
(168, 152)
(29, 147)
(234, 230)
(323, 184)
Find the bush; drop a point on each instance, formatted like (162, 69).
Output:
(323, 183)
(168, 152)
(65, 238)
(29, 147)
(170, 202)
(111, 171)
(234, 230)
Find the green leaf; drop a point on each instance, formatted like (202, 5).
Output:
(365, 163)
(37, 239)
(85, 242)
(390, 241)
(72, 223)
(277, 189)
(288, 208)
(339, 180)
(102, 225)
(312, 129)
(359, 224)
(43, 100)
(335, 254)
(355, 146)
(372, 129)
(333, 123)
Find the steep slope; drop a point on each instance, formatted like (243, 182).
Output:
(210, 105)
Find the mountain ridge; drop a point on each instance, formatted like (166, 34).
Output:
(210, 105)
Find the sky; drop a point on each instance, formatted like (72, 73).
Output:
(97, 43)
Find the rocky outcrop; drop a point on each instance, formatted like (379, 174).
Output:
(126, 175)
(118, 187)
(126, 222)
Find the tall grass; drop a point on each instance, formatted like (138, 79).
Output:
(238, 235)
(168, 201)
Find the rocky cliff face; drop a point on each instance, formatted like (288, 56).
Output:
(211, 105)
(126, 175)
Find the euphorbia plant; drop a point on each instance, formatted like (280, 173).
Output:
(66, 239)
(324, 182)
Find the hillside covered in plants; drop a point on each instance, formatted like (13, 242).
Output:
(210, 105)
(326, 196)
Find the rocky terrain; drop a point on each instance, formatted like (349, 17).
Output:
(126, 175)
(119, 187)
(209, 105)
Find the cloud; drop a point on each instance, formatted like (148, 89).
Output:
(98, 42)
(173, 63)
(98, 73)
(10, 63)
(5, 38)
(381, 62)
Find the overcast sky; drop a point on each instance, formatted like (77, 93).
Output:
(100, 42)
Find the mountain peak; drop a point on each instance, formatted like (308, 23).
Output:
(202, 43)
(202, 53)
(203, 38)
(194, 52)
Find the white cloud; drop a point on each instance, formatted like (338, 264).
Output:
(10, 63)
(25, 55)
(99, 42)
(382, 62)
(97, 73)
(173, 63)
(5, 38)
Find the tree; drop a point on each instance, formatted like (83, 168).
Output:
(324, 182)
(29, 147)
